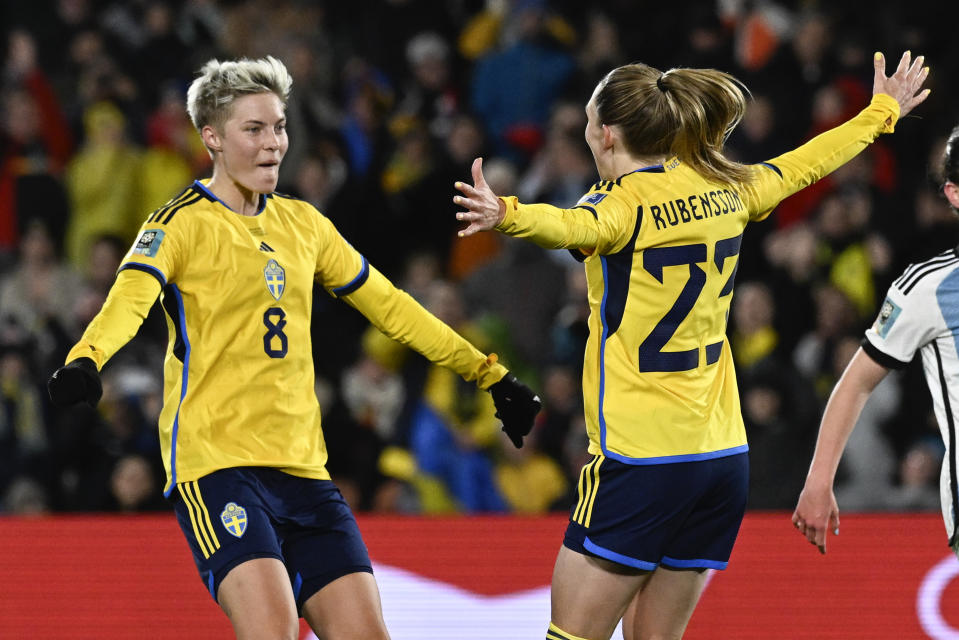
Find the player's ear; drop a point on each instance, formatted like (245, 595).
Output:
(951, 191)
(211, 138)
(608, 136)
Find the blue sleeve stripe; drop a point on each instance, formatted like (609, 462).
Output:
(773, 167)
(145, 268)
(356, 283)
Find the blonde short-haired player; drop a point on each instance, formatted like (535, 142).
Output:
(235, 264)
(663, 498)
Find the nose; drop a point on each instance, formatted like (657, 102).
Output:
(272, 140)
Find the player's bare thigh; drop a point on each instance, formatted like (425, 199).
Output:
(347, 609)
(663, 606)
(257, 598)
(589, 595)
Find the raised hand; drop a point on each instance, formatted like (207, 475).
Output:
(904, 84)
(483, 209)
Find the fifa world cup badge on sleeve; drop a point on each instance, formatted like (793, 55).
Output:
(149, 243)
(593, 198)
(887, 316)
(275, 278)
(233, 518)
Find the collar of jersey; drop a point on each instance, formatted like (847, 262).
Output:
(206, 193)
(656, 168)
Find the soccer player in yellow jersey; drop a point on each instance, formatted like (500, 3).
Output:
(663, 498)
(235, 264)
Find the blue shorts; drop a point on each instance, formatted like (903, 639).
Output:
(234, 515)
(682, 515)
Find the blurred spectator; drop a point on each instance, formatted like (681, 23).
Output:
(41, 289)
(24, 442)
(868, 463)
(451, 428)
(35, 146)
(835, 320)
(754, 337)
(174, 155)
(918, 488)
(512, 89)
(134, 485)
(522, 288)
(104, 182)
(529, 480)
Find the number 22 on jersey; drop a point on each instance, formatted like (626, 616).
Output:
(652, 353)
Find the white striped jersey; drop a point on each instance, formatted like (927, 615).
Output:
(921, 313)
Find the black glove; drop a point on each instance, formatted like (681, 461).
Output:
(77, 381)
(516, 406)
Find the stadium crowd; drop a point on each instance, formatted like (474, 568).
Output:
(390, 105)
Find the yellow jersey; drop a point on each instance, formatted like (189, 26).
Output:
(237, 291)
(660, 247)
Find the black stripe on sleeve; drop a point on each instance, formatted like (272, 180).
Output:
(159, 212)
(919, 275)
(880, 358)
(914, 270)
(174, 211)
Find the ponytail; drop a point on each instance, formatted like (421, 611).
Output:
(687, 113)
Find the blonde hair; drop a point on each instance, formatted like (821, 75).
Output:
(687, 113)
(211, 95)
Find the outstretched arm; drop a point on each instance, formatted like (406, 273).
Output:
(587, 226)
(817, 511)
(893, 97)
(124, 310)
(399, 316)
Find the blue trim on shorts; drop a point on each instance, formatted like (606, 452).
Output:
(297, 585)
(592, 547)
(184, 380)
(210, 586)
(693, 564)
(685, 457)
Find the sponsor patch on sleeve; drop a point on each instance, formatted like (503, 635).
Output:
(592, 198)
(149, 243)
(887, 317)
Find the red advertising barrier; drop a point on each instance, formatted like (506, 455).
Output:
(888, 576)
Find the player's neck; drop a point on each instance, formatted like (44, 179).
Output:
(235, 196)
(620, 163)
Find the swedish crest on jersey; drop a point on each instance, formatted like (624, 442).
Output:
(275, 277)
(233, 518)
(887, 317)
